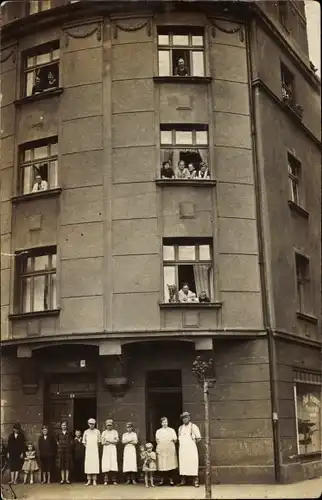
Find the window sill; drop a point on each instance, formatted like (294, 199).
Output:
(190, 305)
(40, 96)
(307, 317)
(294, 109)
(313, 455)
(35, 314)
(186, 182)
(183, 79)
(38, 194)
(299, 210)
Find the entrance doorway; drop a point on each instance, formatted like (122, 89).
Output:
(84, 408)
(163, 399)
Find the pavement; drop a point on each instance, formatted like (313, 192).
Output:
(305, 489)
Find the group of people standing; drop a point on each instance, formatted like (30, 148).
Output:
(81, 454)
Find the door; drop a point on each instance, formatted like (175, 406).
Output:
(59, 409)
(84, 408)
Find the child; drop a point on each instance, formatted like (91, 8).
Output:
(47, 451)
(130, 440)
(149, 464)
(30, 464)
(78, 456)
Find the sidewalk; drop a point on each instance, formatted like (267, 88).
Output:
(305, 489)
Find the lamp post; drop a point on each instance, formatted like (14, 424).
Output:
(203, 371)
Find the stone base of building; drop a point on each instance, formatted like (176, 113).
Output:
(292, 473)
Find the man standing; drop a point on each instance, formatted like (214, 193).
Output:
(189, 437)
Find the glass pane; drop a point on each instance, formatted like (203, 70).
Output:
(30, 61)
(45, 4)
(180, 40)
(27, 155)
(53, 261)
(164, 63)
(169, 283)
(53, 291)
(41, 262)
(197, 41)
(198, 68)
(43, 58)
(168, 252)
(53, 174)
(54, 149)
(187, 252)
(26, 287)
(30, 264)
(55, 54)
(309, 417)
(29, 83)
(166, 137)
(41, 152)
(27, 173)
(183, 137)
(40, 298)
(33, 7)
(163, 39)
(204, 252)
(202, 137)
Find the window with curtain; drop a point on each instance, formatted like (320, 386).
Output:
(41, 69)
(187, 263)
(308, 399)
(37, 280)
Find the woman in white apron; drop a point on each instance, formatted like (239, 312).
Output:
(166, 438)
(189, 436)
(130, 440)
(91, 440)
(109, 440)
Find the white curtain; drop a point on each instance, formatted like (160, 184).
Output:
(201, 275)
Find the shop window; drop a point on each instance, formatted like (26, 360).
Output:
(294, 177)
(184, 152)
(37, 280)
(181, 52)
(41, 69)
(38, 166)
(308, 417)
(303, 283)
(287, 78)
(187, 270)
(38, 6)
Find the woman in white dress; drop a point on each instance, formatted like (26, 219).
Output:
(189, 437)
(130, 440)
(166, 438)
(91, 440)
(109, 440)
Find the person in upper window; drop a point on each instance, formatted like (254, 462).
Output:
(39, 185)
(182, 172)
(181, 69)
(167, 171)
(192, 171)
(203, 297)
(203, 172)
(37, 88)
(185, 294)
(51, 79)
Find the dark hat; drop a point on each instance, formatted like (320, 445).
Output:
(185, 414)
(17, 426)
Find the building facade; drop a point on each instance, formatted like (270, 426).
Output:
(97, 241)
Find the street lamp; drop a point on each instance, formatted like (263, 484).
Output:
(203, 370)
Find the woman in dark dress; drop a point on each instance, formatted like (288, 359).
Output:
(16, 449)
(64, 443)
(47, 447)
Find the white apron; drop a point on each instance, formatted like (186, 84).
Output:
(91, 440)
(109, 457)
(188, 451)
(166, 450)
(130, 440)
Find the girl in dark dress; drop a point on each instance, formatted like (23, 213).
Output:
(64, 443)
(16, 450)
(47, 447)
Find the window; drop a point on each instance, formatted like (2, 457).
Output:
(303, 283)
(38, 166)
(41, 69)
(38, 6)
(287, 84)
(185, 150)
(283, 13)
(37, 280)
(294, 173)
(181, 52)
(187, 270)
(308, 416)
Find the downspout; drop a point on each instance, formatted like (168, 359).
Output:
(263, 234)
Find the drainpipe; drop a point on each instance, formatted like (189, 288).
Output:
(263, 241)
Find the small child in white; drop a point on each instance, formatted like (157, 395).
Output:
(149, 464)
(30, 463)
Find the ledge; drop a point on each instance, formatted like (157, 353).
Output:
(35, 314)
(186, 182)
(40, 96)
(299, 210)
(190, 305)
(313, 455)
(38, 194)
(307, 317)
(183, 79)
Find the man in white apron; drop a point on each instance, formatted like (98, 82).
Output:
(189, 437)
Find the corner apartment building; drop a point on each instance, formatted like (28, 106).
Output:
(96, 244)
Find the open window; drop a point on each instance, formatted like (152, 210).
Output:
(41, 69)
(288, 86)
(38, 166)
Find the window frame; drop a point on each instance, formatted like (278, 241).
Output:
(39, 4)
(296, 383)
(23, 164)
(303, 283)
(295, 179)
(189, 31)
(46, 48)
(288, 91)
(22, 274)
